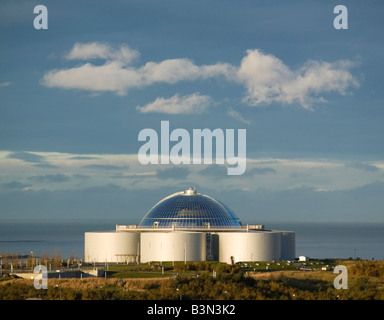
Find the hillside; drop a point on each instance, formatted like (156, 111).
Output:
(209, 281)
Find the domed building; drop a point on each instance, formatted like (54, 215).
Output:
(189, 209)
(189, 226)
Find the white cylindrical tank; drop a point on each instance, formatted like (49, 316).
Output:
(111, 246)
(172, 246)
(288, 245)
(249, 246)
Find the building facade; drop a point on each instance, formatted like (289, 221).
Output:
(189, 226)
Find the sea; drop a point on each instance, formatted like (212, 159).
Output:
(316, 240)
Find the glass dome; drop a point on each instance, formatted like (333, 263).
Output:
(189, 209)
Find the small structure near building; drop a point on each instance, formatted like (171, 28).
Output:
(303, 258)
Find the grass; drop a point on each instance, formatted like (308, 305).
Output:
(255, 280)
(165, 269)
(135, 275)
(159, 269)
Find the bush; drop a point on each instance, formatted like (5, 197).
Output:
(367, 268)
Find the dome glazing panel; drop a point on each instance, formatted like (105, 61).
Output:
(189, 209)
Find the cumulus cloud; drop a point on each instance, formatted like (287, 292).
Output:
(194, 103)
(113, 76)
(108, 77)
(265, 77)
(175, 70)
(117, 75)
(97, 50)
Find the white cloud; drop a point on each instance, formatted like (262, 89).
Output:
(98, 50)
(194, 103)
(93, 170)
(175, 70)
(115, 76)
(234, 114)
(266, 78)
(108, 77)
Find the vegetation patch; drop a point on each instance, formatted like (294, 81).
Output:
(210, 281)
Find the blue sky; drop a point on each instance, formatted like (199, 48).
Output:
(74, 97)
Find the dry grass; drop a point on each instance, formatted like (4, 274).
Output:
(95, 283)
(322, 275)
